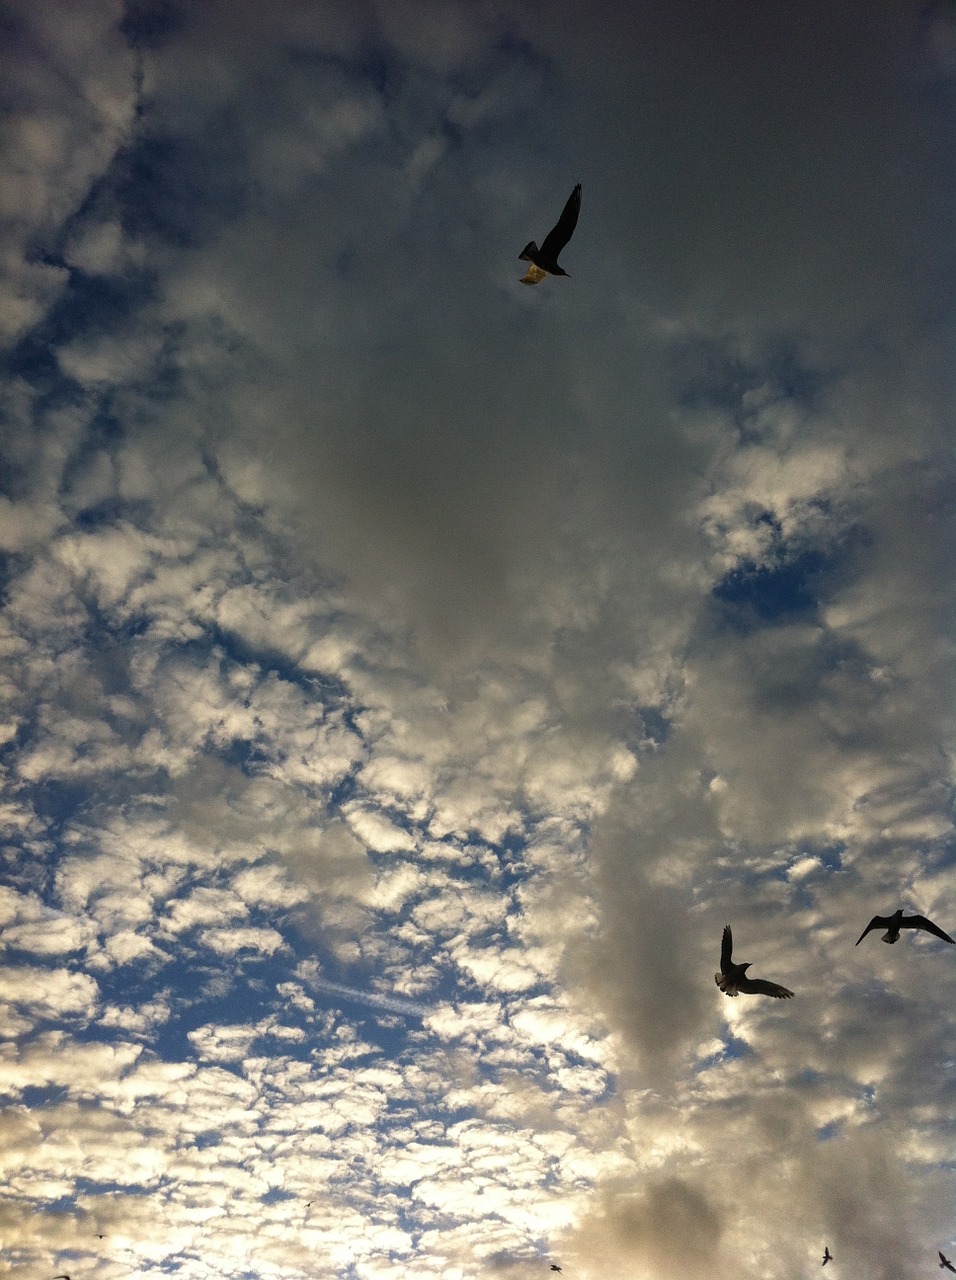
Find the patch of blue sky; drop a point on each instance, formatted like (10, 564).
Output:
(205, 1139)
(14, 477)
(732, 1049)
(830, 856)
(344, 789)
(9, 753)
(386, 1030)
(110, 512)
(35, 1096)
(244, 754)
(106, 637)
(649, 730)
(373, 65)
(512, 845)
(60, 801)
(396, 817)
(787, 591)
(95, 304)
(83, 1187)
(33, 359)
(710, 375)
(234, 648)
(148, 25)
(103, 430)
(89, 306)
(197, 1001)
(275, 1195)
(166, 188)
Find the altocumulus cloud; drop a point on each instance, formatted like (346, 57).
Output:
(407, 675)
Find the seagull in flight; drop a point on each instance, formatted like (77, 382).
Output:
(827, 1255)
(945, 1262)
(555, 1267)
(897, 921)
(544, 261)
(733, 979)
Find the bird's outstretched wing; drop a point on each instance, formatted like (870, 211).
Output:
(562, 231)
(920, 922)
(878, 922)
(726, 949)
(761, 987)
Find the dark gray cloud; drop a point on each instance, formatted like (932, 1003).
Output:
(441, 438)
(672, 1225)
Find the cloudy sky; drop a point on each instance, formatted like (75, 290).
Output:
(408, 673)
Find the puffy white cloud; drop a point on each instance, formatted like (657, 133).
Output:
(49, 994)
(29, 926)
(231, 941)
(378, 832)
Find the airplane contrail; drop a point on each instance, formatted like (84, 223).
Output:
(394, 1004)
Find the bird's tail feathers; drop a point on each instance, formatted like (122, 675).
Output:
(529, 252)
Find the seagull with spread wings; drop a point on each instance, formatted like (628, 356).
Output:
(827, 1255)
(733, 979)
(544, 261)
(945, 1262)
(897, 921)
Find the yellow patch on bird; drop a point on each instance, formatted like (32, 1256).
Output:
(534, 274)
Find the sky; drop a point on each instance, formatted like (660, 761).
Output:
(408, 673)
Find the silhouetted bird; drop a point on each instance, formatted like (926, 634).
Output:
(63, 1277)
(555, 1267)
(544, 261)
(733, 979)
(945, 1262)
(827, 1255)
(897, 921)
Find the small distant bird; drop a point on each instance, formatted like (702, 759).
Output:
(733, 979)
(555, 1267)
(945, 1262)
(544, 261)
(897, 921)
(63, 1277)
(827, 1255)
